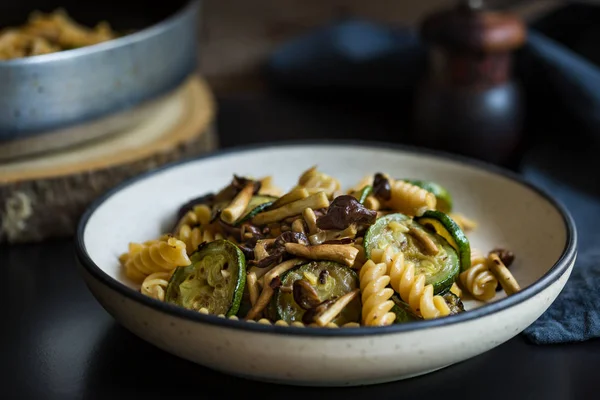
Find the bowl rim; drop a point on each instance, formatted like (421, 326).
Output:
(128, 40)
(561, 266)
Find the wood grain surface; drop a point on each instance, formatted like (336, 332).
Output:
(43, 197)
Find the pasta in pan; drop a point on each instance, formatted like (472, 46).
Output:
(46, 33)
(377, 254)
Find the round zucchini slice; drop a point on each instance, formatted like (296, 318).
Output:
(215, 280)
(443, 197)
(257, 204)
(312, 284)
(445, 226)
(406, 235)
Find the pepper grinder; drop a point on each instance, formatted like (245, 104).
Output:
(469, 103)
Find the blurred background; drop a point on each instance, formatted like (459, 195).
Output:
(98, 93)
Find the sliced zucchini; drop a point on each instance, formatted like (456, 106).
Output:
(440, 269)
(257, 204)
(312, 284)
(245, 304)
(445, 226)
(403, 311)
(215, 280)
(443, 197)
(454, 302)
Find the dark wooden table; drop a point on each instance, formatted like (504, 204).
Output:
(57, 342)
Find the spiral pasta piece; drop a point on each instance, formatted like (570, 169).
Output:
(155, 285)
(135, 248)
(157, 257)
(478, 280)
(413, 289)
(200, 214)
(409, 199)
(376, 303)
(194, 237)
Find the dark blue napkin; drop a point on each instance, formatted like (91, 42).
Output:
(575, 314)
(359, 55)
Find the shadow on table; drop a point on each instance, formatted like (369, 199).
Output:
(134, 367)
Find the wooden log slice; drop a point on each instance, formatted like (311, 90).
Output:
(61, 139)
(44, 196)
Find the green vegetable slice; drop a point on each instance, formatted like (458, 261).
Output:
(454, 302)
(445, 226)
(362, 194)
(329, 280)
(440, 269)
(443, 197)
(256, 205)
(215, 280)
(403, 311)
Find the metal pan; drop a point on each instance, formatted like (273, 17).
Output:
(48, 92)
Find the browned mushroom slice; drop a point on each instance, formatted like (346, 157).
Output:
(317, 200)
(252, 284)
(341, 253)
(328, 314)
(305, 295)
(424, 240)
(345, 211)
(327, 236)
(267, 290)
(504, 276)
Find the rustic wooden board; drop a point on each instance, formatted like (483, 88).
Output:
(43, 196)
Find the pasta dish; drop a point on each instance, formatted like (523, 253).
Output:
(46, 33)
(384, 252)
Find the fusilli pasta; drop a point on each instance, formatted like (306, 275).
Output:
(478, 280)
(412, 289)
(160, 256)
(376, 303)
(198, 215)
(193, 237)
(155, 285)
(410, 199)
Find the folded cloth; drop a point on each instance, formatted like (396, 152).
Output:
(575, 314)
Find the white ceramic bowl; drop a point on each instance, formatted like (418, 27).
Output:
(510, 213)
